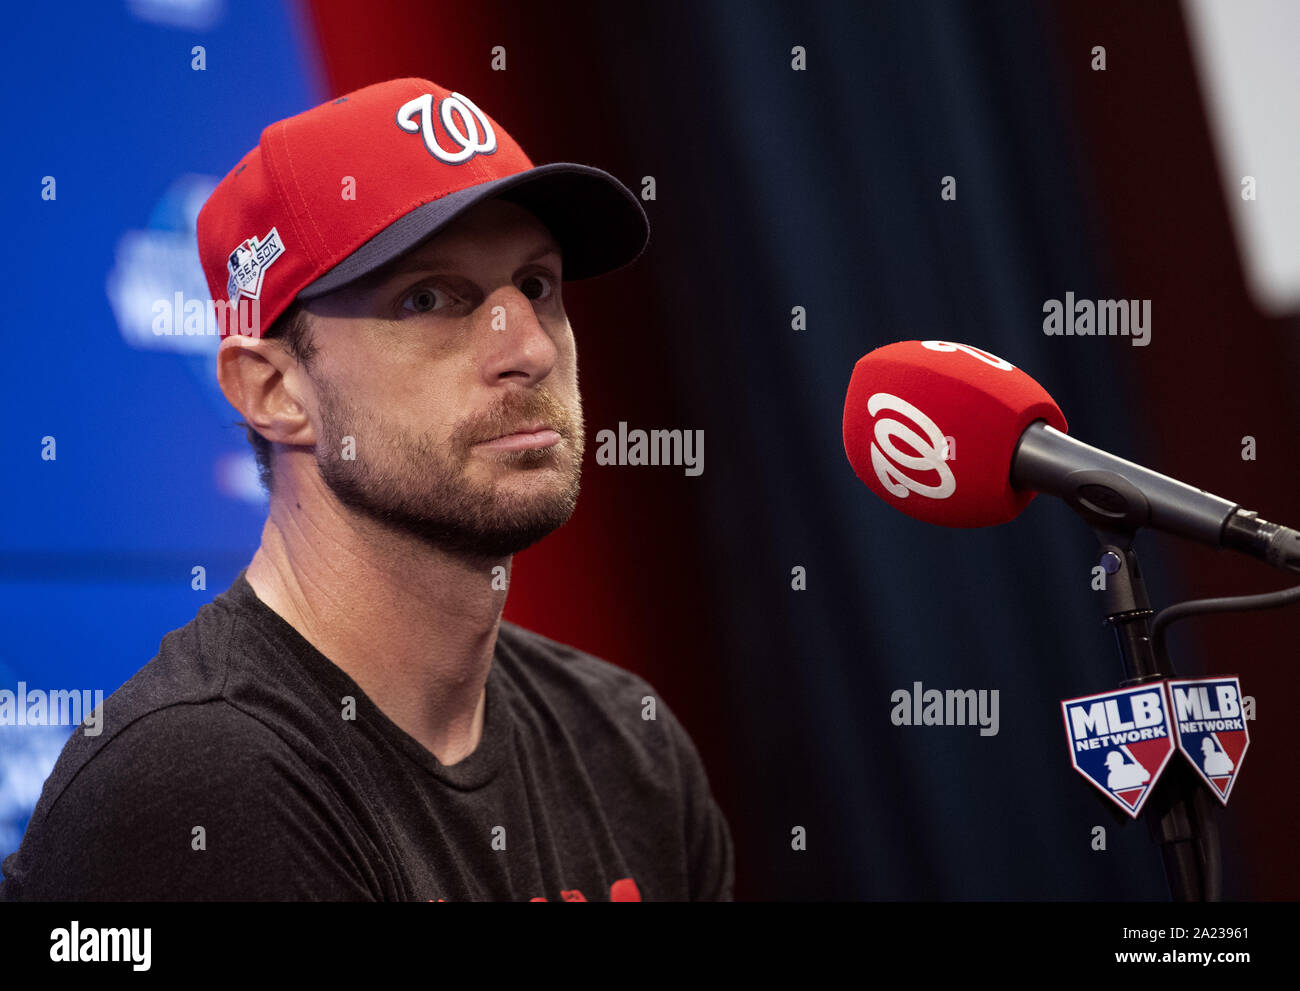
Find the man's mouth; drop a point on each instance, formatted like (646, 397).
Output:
(527, 437)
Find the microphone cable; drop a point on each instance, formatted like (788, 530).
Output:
(1230, 603)
(1208, 854)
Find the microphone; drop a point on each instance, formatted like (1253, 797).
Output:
(952, 435)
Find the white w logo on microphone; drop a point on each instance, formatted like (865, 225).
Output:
(889, 461)
(477, 138)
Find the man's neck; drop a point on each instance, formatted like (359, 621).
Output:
(413, 626)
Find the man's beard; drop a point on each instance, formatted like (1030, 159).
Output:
(410, 485)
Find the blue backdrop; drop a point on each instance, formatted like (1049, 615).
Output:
(150, 478)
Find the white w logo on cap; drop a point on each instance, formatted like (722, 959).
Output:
(481, 139)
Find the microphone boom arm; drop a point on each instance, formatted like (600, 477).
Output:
(1114, 494)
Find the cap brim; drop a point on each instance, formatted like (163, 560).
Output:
(598, 222)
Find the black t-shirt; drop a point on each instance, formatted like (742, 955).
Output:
(227, 769)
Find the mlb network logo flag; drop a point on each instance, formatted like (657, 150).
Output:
(1211, 729)
(1121, 741)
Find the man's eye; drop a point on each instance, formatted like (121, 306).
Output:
(538, 288)
(422, 300)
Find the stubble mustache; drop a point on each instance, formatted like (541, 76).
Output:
(516, 411)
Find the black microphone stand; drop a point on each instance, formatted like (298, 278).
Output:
(1178, 811)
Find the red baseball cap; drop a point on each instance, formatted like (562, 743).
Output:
(334, 193)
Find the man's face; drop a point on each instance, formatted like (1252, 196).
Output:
(435, 365)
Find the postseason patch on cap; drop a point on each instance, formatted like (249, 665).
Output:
(249, 262)
(1121, 741)
(1211, 729)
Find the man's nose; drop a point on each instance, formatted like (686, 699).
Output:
(517, 343)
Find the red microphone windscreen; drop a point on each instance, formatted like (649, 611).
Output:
(931, 426)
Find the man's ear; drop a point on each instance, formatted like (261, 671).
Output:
(267, 385)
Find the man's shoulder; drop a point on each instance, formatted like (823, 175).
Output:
(173, 748)
(172, 718)
(597, 701)
(634, 746)
(192, 664)
(189, 802)
(562, 660)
